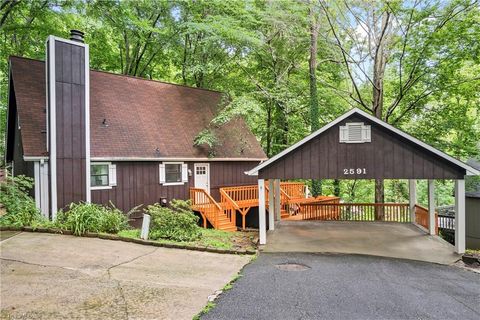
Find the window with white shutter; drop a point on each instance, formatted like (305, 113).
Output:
(173, 173)
(355, 132)
(103, 175)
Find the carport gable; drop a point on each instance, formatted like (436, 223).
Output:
(390, 154)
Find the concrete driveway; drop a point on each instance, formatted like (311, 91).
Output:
(337, 286)
(387, 239)
(46, 276)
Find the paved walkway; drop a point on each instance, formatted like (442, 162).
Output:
(387, 239)
(46, 276)
(349, 287)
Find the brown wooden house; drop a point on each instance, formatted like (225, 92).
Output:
(86, 135)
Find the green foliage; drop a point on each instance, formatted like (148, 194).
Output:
(472, 184)
(176, 222)
(130, 233)
(89, 217)
(257, 53)
(210, 238)
(206, 137)
(20, 207)
(209, 307)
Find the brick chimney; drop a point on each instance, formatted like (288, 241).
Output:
(68, 123)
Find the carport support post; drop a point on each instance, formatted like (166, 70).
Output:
(460, 216)
(262, 227)
(278, 208)
(431, 207)
(412, 187)
(271, 204)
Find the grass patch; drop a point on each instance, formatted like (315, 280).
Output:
(210, 238)
(217, 239)
(229, 285)
(205, 310)
(131, 233)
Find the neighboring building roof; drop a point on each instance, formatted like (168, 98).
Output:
(145, 119)
(469, 170)
(472, 194)
(474, 163)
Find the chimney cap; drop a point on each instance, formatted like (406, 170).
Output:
(76, 35)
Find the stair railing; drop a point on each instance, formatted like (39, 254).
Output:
(203, 202)
(230, 206)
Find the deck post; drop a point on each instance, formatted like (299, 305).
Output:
(412, 188)
(431, 207)
(271, 204)
(278, 208)
(262, 227)
(460, 216)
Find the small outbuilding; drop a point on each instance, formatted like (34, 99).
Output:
(358, 145)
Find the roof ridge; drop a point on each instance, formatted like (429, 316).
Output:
(128, 76)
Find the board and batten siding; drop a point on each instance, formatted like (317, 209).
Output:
(138, 183)
(387, 156)
(472, 232)
(70, 123)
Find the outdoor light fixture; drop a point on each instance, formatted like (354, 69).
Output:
(190, 172)
(104, 123)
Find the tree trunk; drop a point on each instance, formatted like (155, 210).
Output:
(336, 188)
(314, 109)
(184, 62)
(380, 61)
(269, 130)
(379, 198)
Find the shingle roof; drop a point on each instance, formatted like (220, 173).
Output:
(142, 116)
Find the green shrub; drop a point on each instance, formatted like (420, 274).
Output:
(19, 206)
(177, 222)
(89, 217)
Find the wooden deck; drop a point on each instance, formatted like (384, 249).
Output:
(222, 215)
(296, 204)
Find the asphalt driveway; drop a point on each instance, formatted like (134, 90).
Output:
(340, 286)
(45, 276)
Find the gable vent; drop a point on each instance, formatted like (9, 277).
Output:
(355, 132)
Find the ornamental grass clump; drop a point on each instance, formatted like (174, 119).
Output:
(89, 217)
(176, 222)
(20, 208)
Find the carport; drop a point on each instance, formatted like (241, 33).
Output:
(359, 146)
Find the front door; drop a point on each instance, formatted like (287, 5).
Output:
(202, 176)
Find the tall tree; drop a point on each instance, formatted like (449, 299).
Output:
(375, 38)
(140, 30)
(312, 71)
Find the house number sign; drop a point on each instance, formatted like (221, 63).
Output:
(354, 171)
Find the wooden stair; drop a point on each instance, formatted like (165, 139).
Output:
(210, 210)
(224, 223)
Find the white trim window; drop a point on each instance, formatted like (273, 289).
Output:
(173, 173)
(355, 132)
(103, 175)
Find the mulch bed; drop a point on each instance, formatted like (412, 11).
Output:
(472, 260)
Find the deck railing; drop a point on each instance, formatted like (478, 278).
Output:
(421, 217)
(398, 212)
(206, 205)
(243, 193)
(446, 222)
(294, 189)
(230, 207)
